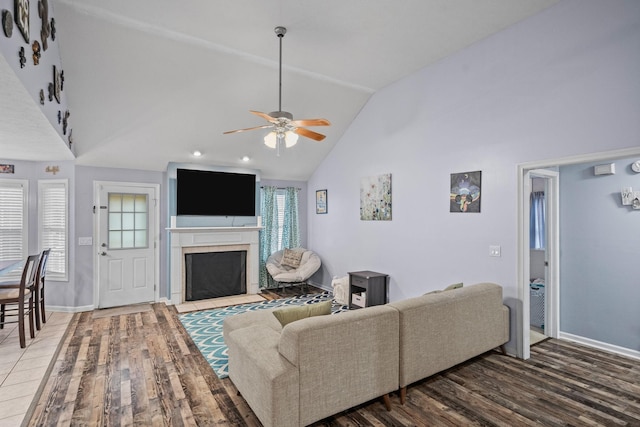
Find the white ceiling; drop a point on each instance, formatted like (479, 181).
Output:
(149, 81)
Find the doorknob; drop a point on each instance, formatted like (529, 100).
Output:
(103, 253)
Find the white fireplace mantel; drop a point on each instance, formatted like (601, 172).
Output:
(208, 237)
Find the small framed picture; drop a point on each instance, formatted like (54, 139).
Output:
(465, 192)
(6, 169)
(321, 201)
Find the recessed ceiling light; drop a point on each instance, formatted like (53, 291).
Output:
(197, 153)
(245, 158)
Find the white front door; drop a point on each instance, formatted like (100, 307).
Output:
(126, 243)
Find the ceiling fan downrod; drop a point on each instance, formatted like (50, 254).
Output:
(280, 32)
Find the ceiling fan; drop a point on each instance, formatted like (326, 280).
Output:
(284, 128)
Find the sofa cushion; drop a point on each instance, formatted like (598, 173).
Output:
(291, 258)
(291, 314)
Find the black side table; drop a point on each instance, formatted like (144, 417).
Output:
(374, 284)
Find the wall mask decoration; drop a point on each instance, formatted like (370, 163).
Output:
(70, 139)
(41, 97)
(375, 198)
(53, 29)
(21, 11)
(7, 23)
(23, 58)
(57, 84)
(59, 116)
(45, 30)
(465, 192)
(65, 122)
(36, 52)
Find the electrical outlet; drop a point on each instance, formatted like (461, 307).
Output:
(494, 250)
(85, 241)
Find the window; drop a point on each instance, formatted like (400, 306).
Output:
(53, 225)
(128, 219)
(13, 219)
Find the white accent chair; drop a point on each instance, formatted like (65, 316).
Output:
(284, 274)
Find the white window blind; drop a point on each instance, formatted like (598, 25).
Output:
(280, 198)
(53, 225)
(13, 219)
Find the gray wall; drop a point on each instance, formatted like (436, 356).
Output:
(599, 281)
(542, 89)
(85, 177)
(57, 293)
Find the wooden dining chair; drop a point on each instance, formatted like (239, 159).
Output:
(38, 289)
(18, 302)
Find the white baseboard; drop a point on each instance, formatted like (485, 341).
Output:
(600, 345)
(65, 309)
(323, 287)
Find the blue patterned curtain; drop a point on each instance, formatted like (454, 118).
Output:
(290, 228)
(537, 218)
(269, 233)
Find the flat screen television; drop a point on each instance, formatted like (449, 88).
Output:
(209, 193)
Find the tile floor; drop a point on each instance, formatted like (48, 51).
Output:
(22, 369)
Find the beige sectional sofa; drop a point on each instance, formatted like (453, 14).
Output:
(441, 330)
(318, 366)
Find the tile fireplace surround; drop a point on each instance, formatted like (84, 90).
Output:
(211, 239)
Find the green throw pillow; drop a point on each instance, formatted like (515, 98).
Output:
(291, 314)
(454, 286)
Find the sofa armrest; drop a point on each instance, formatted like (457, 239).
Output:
(266, 380)
(343, 359)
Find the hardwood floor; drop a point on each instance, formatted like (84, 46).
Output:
(143, 369)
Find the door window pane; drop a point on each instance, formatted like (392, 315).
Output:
(128, 221)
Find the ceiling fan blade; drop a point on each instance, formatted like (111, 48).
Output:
(264, 116)
(309, 134)
(311, 122)
(244, 130)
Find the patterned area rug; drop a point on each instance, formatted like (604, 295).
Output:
(205, 327)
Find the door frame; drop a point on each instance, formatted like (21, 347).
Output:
(552, 280)
(523, 259)
(154, 210)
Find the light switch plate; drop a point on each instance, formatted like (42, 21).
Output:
(494, 250)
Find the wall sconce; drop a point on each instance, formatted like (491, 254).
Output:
(630, 198)
(52, 169)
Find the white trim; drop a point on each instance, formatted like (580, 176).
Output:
(69, 309)
(96, 232)
(522, 328)
(600, 345)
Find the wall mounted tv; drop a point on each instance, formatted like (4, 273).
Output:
(215, 193)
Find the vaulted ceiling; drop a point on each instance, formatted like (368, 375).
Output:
(150, 81)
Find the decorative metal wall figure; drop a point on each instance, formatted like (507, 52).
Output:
(36, 52)
(23, 58)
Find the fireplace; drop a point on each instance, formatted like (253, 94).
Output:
(215, 274)
(203, 240)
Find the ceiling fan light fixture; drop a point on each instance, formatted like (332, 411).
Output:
(271, 140)
(285, 130)
(290, 139)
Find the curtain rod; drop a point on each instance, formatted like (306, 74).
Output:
(283, 188)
